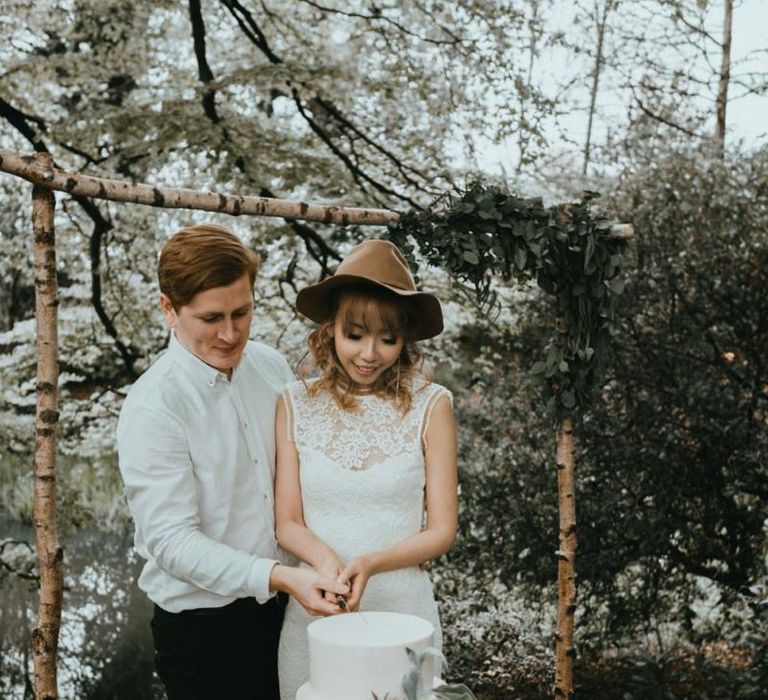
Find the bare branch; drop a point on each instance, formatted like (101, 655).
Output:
(695, 28)
(333, 111)
(251, 29)
(457, 39)
(100, 227)
(659, 118)
(758, 90)
(359, 176)
(203, 69)
(314, 243)
(378, 16)
(18, 120)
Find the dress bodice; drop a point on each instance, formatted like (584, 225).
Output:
(361, 471)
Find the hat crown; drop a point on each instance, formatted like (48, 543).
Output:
(378, 264)
(379, 261)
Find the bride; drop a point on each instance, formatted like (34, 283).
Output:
(366, 451)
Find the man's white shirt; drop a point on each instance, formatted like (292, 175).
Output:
(197, 456)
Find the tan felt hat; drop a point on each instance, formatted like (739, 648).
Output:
(374, 263)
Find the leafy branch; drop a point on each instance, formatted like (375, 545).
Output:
(569, 250)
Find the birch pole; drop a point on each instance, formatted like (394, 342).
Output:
(50, 555)
(77, 184)
(566, 564)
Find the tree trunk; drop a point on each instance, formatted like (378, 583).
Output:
(566, 565)
(524, 131)
(725, 77)
(50, 555)
(601, 24)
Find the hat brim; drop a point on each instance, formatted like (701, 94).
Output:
(316, 303)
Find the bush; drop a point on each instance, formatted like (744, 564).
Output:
(672, 464)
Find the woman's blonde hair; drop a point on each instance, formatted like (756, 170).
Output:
(368, 304)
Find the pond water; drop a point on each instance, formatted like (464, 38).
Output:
(105, 644)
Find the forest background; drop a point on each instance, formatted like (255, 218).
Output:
(396, 105)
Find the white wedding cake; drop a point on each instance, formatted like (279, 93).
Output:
(359, 656)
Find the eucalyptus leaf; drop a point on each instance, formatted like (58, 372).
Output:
(412, 656)
(567, 247)
(616, 285)
(411, 683)
(432, 653)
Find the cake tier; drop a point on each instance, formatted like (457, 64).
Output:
(355, 655)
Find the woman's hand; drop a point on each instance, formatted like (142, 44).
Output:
(356, 574)
(331, 567)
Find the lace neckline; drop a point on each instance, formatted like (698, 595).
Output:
(375, 433)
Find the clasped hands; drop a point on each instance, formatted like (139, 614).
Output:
(354, 574)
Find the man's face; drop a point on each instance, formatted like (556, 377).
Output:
(215, 324)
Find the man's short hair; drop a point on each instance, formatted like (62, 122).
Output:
(198, 258)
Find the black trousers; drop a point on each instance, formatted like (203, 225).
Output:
(214, 653)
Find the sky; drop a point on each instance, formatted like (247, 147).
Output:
(747, 117)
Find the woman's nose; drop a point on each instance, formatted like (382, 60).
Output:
(369, 350)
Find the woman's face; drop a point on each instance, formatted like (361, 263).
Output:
(364, 346)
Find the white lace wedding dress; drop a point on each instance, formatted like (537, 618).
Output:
(362, 486)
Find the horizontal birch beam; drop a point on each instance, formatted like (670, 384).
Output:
(77, 184)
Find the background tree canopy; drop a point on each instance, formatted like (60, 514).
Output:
(394, 105)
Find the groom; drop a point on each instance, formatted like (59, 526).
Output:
(196, 446)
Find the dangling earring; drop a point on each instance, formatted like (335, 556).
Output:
(397, 381)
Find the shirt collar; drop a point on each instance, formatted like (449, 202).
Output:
(200, 370)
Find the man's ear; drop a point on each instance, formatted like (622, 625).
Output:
(168, 311)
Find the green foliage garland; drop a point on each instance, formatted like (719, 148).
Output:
(568, 249)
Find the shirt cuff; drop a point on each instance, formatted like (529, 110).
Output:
(258, 579)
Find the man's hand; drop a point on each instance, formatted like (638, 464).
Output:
(308, 588)
(357, 573)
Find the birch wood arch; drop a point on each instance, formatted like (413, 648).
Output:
(40, 170)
